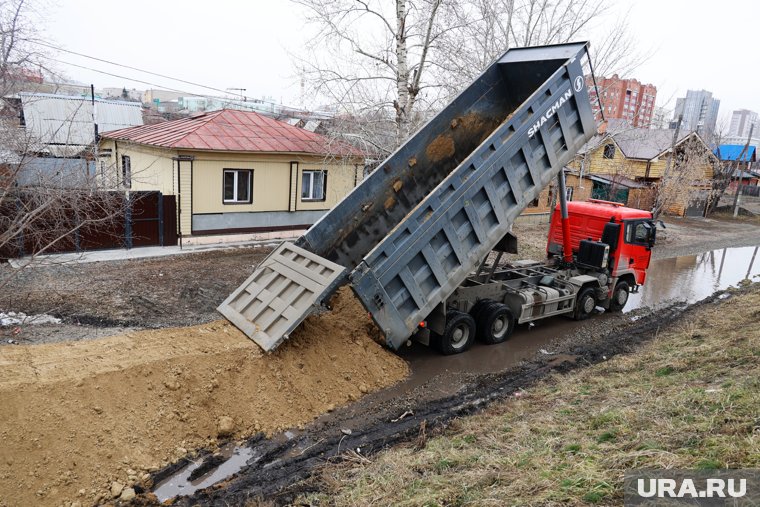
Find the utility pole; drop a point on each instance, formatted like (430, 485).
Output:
(240, 92)
(739, 180)
(658, 203)
(96, 151)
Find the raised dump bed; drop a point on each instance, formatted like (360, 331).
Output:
(425, 218)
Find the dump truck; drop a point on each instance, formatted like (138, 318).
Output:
(601, 272)
(420, 240)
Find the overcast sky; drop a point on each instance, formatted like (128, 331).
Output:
(247, 44)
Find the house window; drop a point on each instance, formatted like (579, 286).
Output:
(609, 151)
(126, 171)
(313, 185)
(238, 186)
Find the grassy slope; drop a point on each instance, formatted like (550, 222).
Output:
(687, 399)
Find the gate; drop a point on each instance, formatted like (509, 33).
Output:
(112, 221)
(146, 220)
(696, 207)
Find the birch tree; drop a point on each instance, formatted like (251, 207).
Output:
(372, 56)
(402, 59)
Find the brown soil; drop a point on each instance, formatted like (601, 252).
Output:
(441, 148)
(180, 290)
(472, 123)
(78, 415)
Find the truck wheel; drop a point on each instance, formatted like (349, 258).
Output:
(619, 296)
(585, 304)
(478, 308)
(495, 323)
(458, 334)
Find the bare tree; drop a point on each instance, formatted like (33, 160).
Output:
(401, 60)
(46, 203)
(724, 173)
(20, 55)
(686, 181)
(373, 58)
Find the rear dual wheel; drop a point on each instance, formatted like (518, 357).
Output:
(495, 323)
(489, 321)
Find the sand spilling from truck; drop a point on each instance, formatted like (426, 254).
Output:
(78, 416)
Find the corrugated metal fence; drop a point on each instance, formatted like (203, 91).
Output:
(113, 220)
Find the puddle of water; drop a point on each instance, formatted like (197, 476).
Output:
(685, 279)
(179, 483)
(427, 363)
(691, 278)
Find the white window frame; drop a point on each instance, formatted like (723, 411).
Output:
(236, 173)
(311, 173)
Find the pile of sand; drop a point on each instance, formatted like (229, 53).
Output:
(77, 416)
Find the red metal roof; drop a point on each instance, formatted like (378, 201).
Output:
(232, 130)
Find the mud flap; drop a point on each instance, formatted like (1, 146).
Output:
(283, 290)
(436, 321)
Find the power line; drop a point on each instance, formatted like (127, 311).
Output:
(128, 67)
(110, 62)
(221, 99)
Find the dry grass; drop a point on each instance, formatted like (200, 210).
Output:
(687, 399)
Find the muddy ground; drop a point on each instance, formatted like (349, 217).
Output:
(102, 298)
(99, 299)
(687, 399)
(286, 468)
(106, 298)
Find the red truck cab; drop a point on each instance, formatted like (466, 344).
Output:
(629, 232)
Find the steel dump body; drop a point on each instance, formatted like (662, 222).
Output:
(424, 259)
(412, 231)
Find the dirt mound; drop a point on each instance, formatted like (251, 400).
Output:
(78, 416)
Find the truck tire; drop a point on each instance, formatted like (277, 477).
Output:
(458, 334)
(495, 323)
(619, 296)
(478, 308)
(584, 304)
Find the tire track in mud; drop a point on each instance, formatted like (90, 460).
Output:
(284, 468)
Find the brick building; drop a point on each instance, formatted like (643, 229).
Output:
(625, 99)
